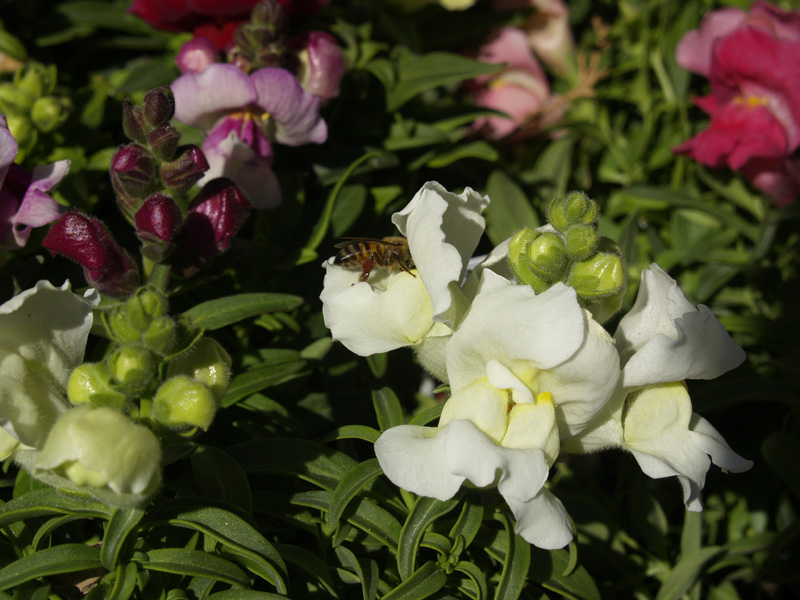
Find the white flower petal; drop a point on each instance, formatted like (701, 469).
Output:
(512, 325)
(390, 311)
(412, 457)
(709, 440)
(471, 454)
(667, 339)
(502, 378)
(482, 404)
(543, 521)
(443, 230)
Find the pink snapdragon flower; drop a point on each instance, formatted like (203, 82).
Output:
(752, 61)
(24, 203)
(520, 90)
(244, 115)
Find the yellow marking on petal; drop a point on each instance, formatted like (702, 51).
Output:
(751, 101)
(544, 398)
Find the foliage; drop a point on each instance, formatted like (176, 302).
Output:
(282, 496)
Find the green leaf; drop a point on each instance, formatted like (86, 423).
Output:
(552, 170)
(782, 453)
(470, 519)
(218, 313)
(515, 564)
(387, 408)
(231, 531)
(425, 512)
(357, 432)
(428, 415)
(124, 582)
(551, 569)
(122, 524)
(425, 581)
(367, 577)
(476, 149)
(347, 208)
(47, 528)
(311, 564)
(291, 457)
(49, 501)
(195, 563)
(509, 211)
(250, 382)
(362, 513)
(474, 572)
(684, 575)
(418, 74)
(66, 558)
(351, 484)
(221, 477)
(244, 595)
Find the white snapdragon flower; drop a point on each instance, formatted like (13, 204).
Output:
(394, 309)
(663, 341)
(524, 370)
(101, 451)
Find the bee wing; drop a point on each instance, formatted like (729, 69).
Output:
(349, 241)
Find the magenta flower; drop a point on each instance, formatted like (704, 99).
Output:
(752, 62)
(520, 90)
(320, 63)
(195, 55)
(23, 201)
(244, 115)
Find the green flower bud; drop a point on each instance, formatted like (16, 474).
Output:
(602, 276)
(14, 102)
(121, 328)
(548, 256)
(133, 366)
(184, 402)
(207, 362)
(576, 209)
(161, 335)
(48, 113)
(102, 450)
(581, 241)
(144, 306)
(90, 383)
(23, 131)
(520, 262)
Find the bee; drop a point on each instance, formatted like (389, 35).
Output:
(390, 253)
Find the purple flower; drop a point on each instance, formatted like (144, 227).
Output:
(320, 63)
(23, 201)
(247, 112)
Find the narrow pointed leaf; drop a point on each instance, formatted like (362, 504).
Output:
(123, 523)
(66, 558)
(387, 408)
(221, 477)
(351, 484)
(553, 570)
(368, 577)
(195, 563)
(474, 572)
(355, 432)
(220, 312)
(124, 582)
(423, 583)
(250, 382)
(515, 564)
(425, 512)
(684, 575)
(50, 501)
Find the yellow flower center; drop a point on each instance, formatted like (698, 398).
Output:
(751, 101)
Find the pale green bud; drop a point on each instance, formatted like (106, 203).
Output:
(103, 450)
(133, 366)
(519, 260)
(581, 241)
(161, 335)
(121, 328)
(90, 383)
(576, 209)
(184, 402)
(548, 256)
(48, 113)
(23, 131)
(14, 102)
(207, 362)
(144, 306)
(599, 277)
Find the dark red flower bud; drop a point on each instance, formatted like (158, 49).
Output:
(106, 266)
(164, 141)
(182, 173)
(133, 175)
(133, 124)
(214, 218)
(157, 222)
(159, 106)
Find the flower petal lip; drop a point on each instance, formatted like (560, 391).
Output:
(542, 521)
(390, 311)
(665, 339)
(202, 98)
(45, 329)
(443, 230)
(694, 51)
(295, 111)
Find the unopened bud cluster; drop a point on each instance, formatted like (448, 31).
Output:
(569, 250)
(31, 105)
(157, 369)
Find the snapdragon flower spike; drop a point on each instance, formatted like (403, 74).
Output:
(85, 240)
(214, 217)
